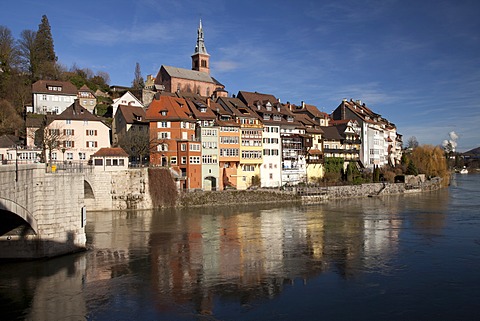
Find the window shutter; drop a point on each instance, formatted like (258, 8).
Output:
(86, 144)
(73, 144)
(96, 144)
(73, 132)
(86, 132)
(64, 132)
(64, 144)
(95, 132)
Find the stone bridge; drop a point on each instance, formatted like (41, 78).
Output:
(41, 214)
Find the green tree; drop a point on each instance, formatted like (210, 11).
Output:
(44, 54)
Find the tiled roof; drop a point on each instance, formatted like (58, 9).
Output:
(110, 152)
(176, 108)
(41, 86)
(175, 72)
(7, 141)
(132, 113)
(251, 97)
(75, 112)
(85, 88)
(331, 133)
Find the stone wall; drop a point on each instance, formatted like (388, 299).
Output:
(51, 202)
(236, 197)
(121, 190)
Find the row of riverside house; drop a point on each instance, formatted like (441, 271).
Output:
(207, 139)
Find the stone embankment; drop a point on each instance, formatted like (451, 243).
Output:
(307, 195)
(132, 189)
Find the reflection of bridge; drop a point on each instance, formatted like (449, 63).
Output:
(41, 214)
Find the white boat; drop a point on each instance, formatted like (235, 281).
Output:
(464, 170)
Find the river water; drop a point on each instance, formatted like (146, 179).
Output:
(413, 257)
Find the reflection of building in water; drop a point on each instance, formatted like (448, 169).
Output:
(114, 235)
(381, 236)
(315, 234)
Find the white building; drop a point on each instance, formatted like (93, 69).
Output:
(127, 99)
(52, 97)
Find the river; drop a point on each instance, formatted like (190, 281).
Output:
(412, 257)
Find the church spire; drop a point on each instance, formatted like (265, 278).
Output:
(200, 47)
(200, 58)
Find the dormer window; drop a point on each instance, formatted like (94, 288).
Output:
(203, 109)
(268, 106)
(163, 113)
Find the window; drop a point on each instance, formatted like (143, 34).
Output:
(163, 135)
(184, 159)
(209, 159)
(68, 144)
(68, 132)
(229, 152)
(173, 160)
(56, 110)
(194, 159)
(163, 124)
(162, 147)
(183, 147)
(248, 168)
(98, 162)
(54, 132)
(54, 156)
(91, 132)
(69, 156)
(81, 156)
(68, 122)
(44, 97)
(92, 144)
(195, 147)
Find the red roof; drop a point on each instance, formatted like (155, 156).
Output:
(110, 152)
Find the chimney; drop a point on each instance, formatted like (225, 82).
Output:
(303, 104)
(208, 101)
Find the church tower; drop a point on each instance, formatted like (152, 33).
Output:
(200, 58)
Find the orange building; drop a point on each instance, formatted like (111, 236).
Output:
(229, 146)
(173, 139)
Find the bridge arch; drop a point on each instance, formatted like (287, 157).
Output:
(17, 209)
(88, 190)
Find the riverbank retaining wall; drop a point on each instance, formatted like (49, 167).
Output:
(130, 189)
(120, 190)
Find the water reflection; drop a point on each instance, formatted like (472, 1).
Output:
(181, 263)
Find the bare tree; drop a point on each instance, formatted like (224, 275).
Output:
(138, 144)
(10, 121)
(138, 82)
(26, 45)
(52, 137)
(412, 142)
(9, 54)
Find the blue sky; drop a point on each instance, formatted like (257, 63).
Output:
(417, 63)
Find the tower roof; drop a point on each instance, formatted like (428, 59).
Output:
(200, 47)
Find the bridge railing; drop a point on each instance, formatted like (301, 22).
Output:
(69, 167)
